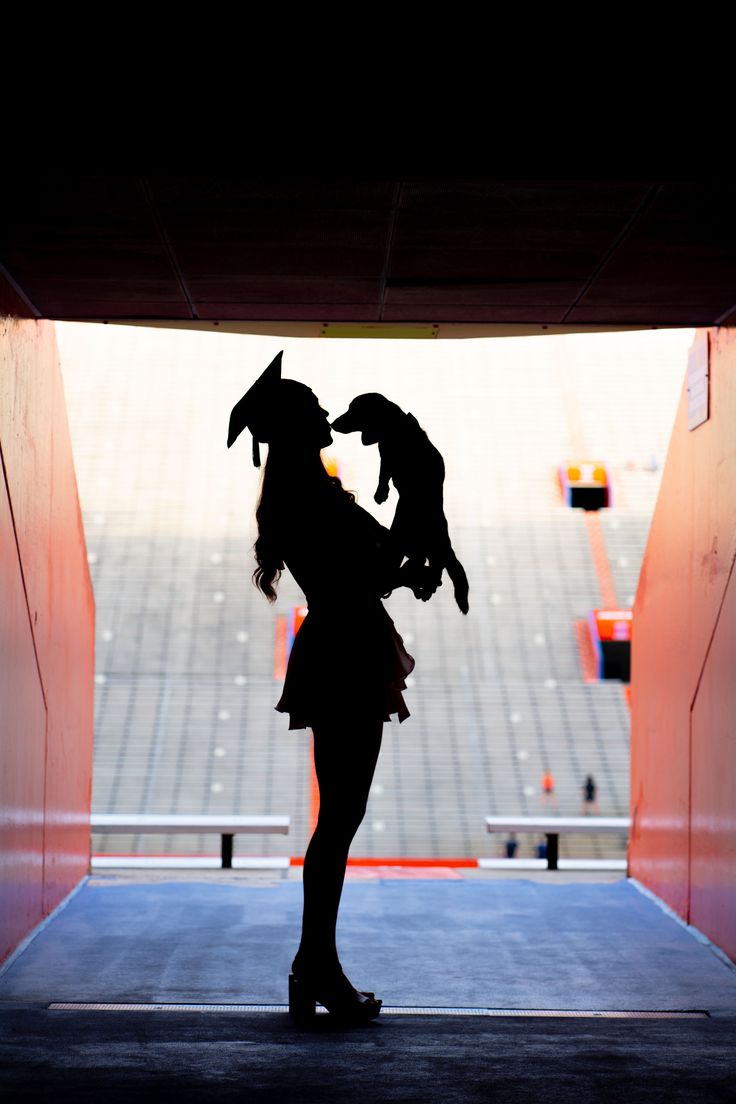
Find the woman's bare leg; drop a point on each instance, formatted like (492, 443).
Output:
(345, 758)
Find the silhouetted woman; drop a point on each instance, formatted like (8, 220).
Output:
(347, 666)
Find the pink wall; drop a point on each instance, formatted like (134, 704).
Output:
(46, 639)
(683, 754)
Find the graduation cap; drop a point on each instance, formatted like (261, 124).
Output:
(255, 410)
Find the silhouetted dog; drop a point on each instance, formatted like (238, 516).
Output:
(409, 458)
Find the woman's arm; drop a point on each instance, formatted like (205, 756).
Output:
(390, 573)
(340, 551)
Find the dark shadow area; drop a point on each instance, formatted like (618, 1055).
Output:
(159, 1057)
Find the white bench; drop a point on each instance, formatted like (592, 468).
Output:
(164, 823)
(554, 826)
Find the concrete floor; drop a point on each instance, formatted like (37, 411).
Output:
(473, 944)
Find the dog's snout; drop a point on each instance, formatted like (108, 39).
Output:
(342, 424)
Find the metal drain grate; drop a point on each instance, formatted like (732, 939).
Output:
(396, 1010)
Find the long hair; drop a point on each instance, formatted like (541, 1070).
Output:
(290, 489)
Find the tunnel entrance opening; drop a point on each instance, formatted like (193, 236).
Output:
(189, 656)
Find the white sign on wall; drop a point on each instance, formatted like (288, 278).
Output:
(698, 378)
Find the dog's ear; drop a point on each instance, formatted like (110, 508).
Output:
(356, 416)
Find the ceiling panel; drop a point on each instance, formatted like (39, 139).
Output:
(333, 249)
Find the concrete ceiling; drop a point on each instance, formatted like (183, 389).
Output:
(457, 254)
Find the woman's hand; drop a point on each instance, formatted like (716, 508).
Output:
(421, 580)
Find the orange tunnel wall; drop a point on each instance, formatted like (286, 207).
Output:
(683, 736)
(46, 639)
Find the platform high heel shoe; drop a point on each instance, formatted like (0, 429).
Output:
(335, 993)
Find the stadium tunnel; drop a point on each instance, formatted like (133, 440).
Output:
(422, 259)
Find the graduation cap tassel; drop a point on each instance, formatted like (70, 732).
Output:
(256, 453)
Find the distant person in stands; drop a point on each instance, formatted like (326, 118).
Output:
(511, 846)
(548, 788)
(348, 664)
(590, 796)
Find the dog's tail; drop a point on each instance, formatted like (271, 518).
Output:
(456, 571)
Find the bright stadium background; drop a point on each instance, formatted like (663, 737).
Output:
(186, 646)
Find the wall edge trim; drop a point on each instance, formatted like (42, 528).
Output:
(28, 939)
(696, 933)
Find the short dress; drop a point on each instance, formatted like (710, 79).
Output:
(347, 660)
